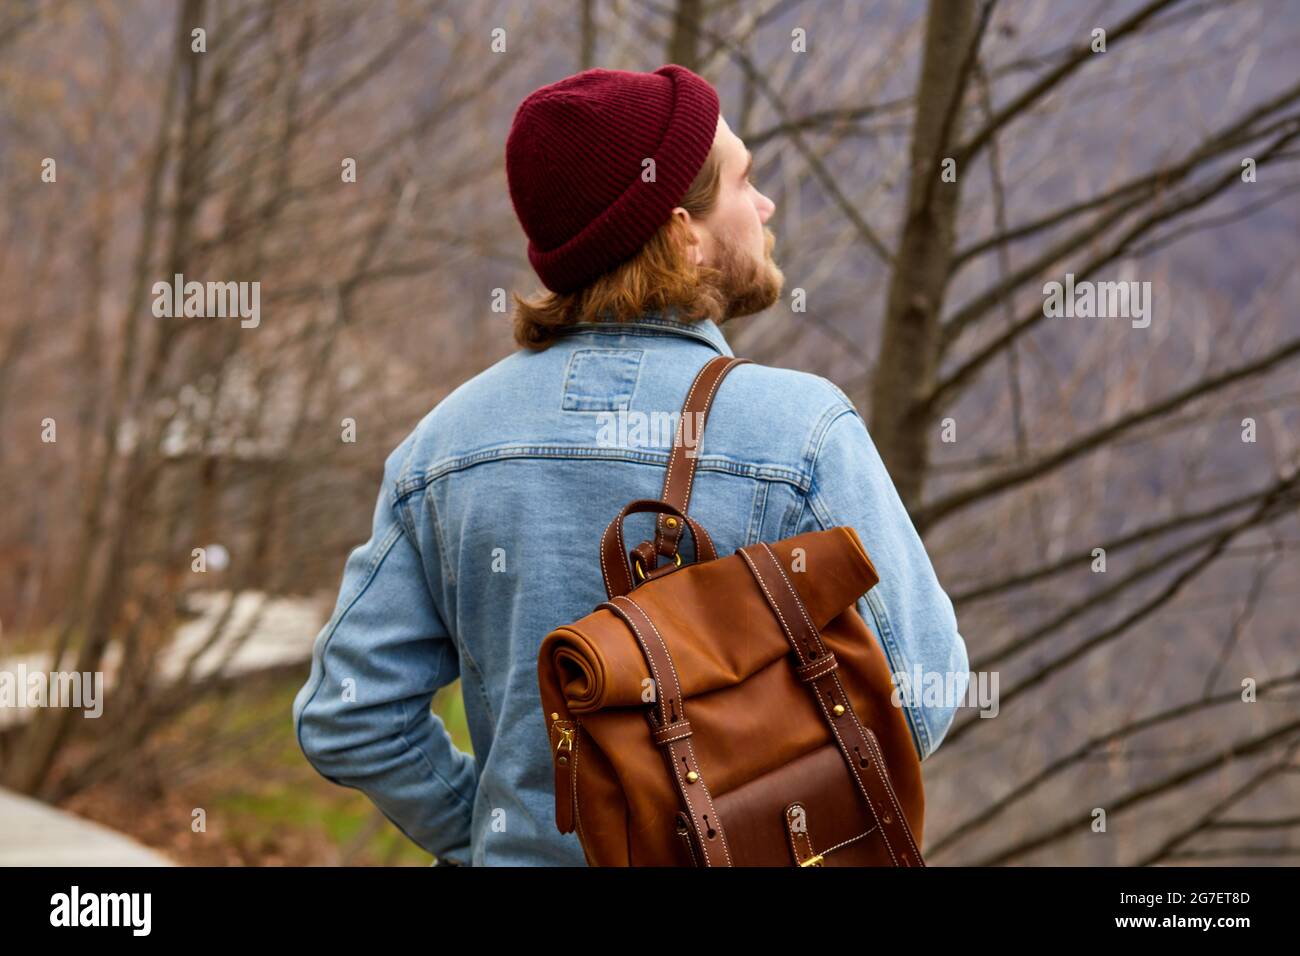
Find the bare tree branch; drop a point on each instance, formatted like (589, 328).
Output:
(1080, 823)
(759, 79)
(1205, 821)
(944, 507)
(1150, 183)
(1085, 750)
(981, 303)
(1081, 556)
(1082, 54)
(1264, 512)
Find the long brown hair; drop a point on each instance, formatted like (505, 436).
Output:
(658, 278)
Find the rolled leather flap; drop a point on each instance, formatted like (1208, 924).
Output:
(599, 663)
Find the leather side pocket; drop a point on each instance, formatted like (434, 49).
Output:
(832, 820)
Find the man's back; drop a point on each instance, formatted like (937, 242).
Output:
(485, 539)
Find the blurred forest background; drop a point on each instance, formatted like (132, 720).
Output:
(1020, 443)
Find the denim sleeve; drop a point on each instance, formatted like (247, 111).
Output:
(363, 718)
(908, 610)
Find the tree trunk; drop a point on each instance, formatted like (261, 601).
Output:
(684, 45)
(587, 34)
(909, 352)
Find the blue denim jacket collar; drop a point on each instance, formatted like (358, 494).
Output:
(651, 323)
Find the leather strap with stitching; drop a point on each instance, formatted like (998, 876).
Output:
(796, 828)
(817, 669)
(672, 732)
(681, 462)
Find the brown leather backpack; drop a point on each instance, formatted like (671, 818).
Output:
(733, 711)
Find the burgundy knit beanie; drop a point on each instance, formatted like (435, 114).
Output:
(575, 157)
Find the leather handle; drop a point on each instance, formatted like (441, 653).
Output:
(614, 563)
(680, 477)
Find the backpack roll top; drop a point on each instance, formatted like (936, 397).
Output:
(600, 664)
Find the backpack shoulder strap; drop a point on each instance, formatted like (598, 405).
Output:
(686, 445)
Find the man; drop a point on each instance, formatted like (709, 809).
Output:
(645, 228)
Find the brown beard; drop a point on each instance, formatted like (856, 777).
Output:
(747, 285)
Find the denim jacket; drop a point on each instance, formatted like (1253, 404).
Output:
(485, 539)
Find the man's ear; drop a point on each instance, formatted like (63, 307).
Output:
(694, 248)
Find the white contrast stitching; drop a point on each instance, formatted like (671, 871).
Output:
(708, 404)
(690, 846)
(654, 670)
(789, 830)
(870, 738)
(690, 473)
(576, 815)
(668, 740)
(667, 481)
(698, 530)
(879, 762)
(821, 701)
(816, 671)
(677, 770)
(604, 571)
(775, 607)
(849, 840)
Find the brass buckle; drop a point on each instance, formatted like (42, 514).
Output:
(640, 570)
